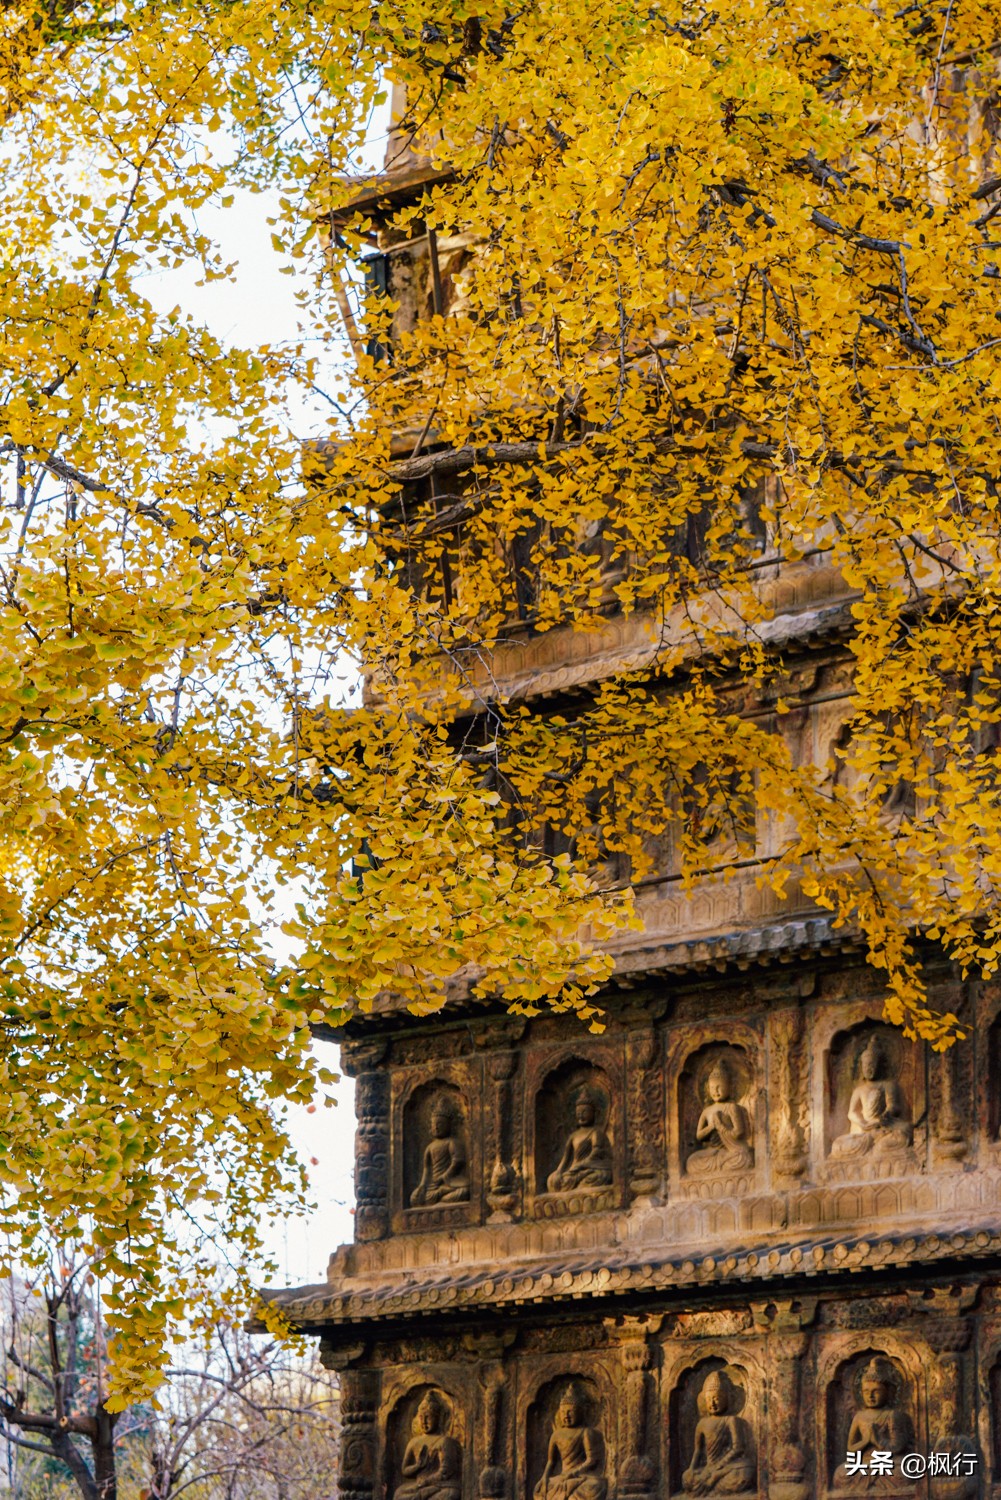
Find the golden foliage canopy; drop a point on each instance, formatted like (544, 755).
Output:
(730, 308)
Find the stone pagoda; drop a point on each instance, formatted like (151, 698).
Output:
(736, 1244)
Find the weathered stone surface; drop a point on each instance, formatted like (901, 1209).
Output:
(739, 1328)
(736, 1244)
(752, 1397)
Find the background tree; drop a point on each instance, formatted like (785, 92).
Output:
(729, 311)
(238, 1418)
(55, 1383)
(244, 1420)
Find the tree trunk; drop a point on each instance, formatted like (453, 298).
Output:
(103, 1442)
(66, 1451)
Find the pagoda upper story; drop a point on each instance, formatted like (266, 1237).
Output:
(740, 1231)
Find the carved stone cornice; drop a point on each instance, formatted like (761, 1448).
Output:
(565, 1278)
(658, 951)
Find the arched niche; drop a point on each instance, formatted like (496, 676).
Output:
(717, 1096)
(435, 1121)
(586, 1443)
(565, 1097)
(715, 1394)
(870, 1090)
(887, 1425)
(425, 1447)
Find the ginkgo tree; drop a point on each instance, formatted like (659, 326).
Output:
(733, 276)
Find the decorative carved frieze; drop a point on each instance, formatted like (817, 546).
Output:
(372, 1150)
(721, 1117)
(786, 1093)
(359, 1405)
(789, 1397)
(618, 1230)
(785, 1321)
(638, 1468)
(645, 1113)
(504, 1189)
(493, 1481)
(954, 1104)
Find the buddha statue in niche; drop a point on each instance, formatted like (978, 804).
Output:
(587, 1156)
(575, 1460)
(879, 1425)
(723, 1453)
(444, 1178)
(432, 1460)
(962, 1482)
(724, 1126)
(879, 1118)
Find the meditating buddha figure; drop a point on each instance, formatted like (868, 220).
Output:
(444, 1178)
(575, 1461)
(878, 1425)
(725, 1127)
(432, 1460)
(723, 1455)
(587, 1157)
(879, 1120)
(962, 1482)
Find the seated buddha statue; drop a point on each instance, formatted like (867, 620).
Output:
(962, 1480)
(432, 1460)
(879, 1425)
(725, 1127)
(587, 1156)
(444, 1178)
(575, 1460)
(723, 1455)
(879, 1120)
